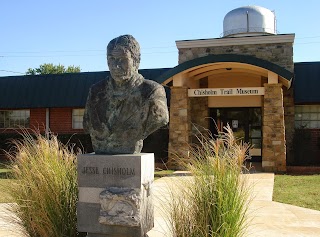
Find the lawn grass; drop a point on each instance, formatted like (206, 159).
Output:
(4, 170)
(163, 172)
(299, 190)
(4, 196)
(4, 166)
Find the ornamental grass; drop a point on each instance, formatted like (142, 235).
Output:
(45, 190)
(213, 201)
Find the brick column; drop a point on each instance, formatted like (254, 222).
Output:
(274, 144)
(179, 128)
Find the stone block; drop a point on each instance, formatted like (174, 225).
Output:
(277, 142)
(89, 223)
(267, 153)
(126, 170)
(280, 149)
(182, 127)
(268, 163)
(181, 139)
(185, 119)
(120, 206)
(278, 103)
(115, 194)
(183, 112)
(267, 129)
(280, 53)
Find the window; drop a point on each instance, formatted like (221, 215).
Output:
(77, 118)
(307, 116)
(14, 118)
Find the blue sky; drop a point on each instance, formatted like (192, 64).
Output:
(76, 32)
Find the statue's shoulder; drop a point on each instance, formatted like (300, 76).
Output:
(150, 85)
(150, 88)
(99, 87)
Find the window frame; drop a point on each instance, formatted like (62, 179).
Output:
(19, 118)
(77, 118)
(307, 117)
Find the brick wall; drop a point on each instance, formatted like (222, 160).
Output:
(306, 147)
(60, 124)
(37, 122)
(288, 103)
(38, 119)
(61, 121)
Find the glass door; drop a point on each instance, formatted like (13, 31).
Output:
(255, 133)
(245, 124)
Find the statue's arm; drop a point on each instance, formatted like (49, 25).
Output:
(158, 111)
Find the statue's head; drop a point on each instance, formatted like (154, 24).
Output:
(123, 55)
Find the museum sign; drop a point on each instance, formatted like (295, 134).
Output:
(226, 91)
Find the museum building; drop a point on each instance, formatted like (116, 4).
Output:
(242, 79)
(246, 78)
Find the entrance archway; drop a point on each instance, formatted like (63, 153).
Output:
(229, 81)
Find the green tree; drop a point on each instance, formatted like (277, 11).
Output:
(49, 68)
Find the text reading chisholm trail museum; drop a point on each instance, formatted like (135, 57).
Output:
(226, 91)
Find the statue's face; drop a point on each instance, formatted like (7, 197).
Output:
(121, 64)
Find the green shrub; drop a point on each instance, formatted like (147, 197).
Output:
(213, 201)
(45, 190)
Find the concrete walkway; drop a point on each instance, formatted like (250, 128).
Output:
(270, 219)
(7, 228)
(274, 219)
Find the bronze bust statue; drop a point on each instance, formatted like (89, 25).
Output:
(125, 108)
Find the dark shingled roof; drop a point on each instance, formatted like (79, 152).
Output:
(71, 89)
(306, 82)
(54, 90)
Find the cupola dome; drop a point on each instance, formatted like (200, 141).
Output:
(249, 20)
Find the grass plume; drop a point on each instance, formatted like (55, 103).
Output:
(213, 201)
(45, 188)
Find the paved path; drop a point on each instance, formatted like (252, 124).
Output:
(7, 228)
(274, 219)
(269, 219)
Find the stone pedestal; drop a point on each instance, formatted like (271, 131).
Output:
(115, 195)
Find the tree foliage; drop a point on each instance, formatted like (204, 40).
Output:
(49, 68)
